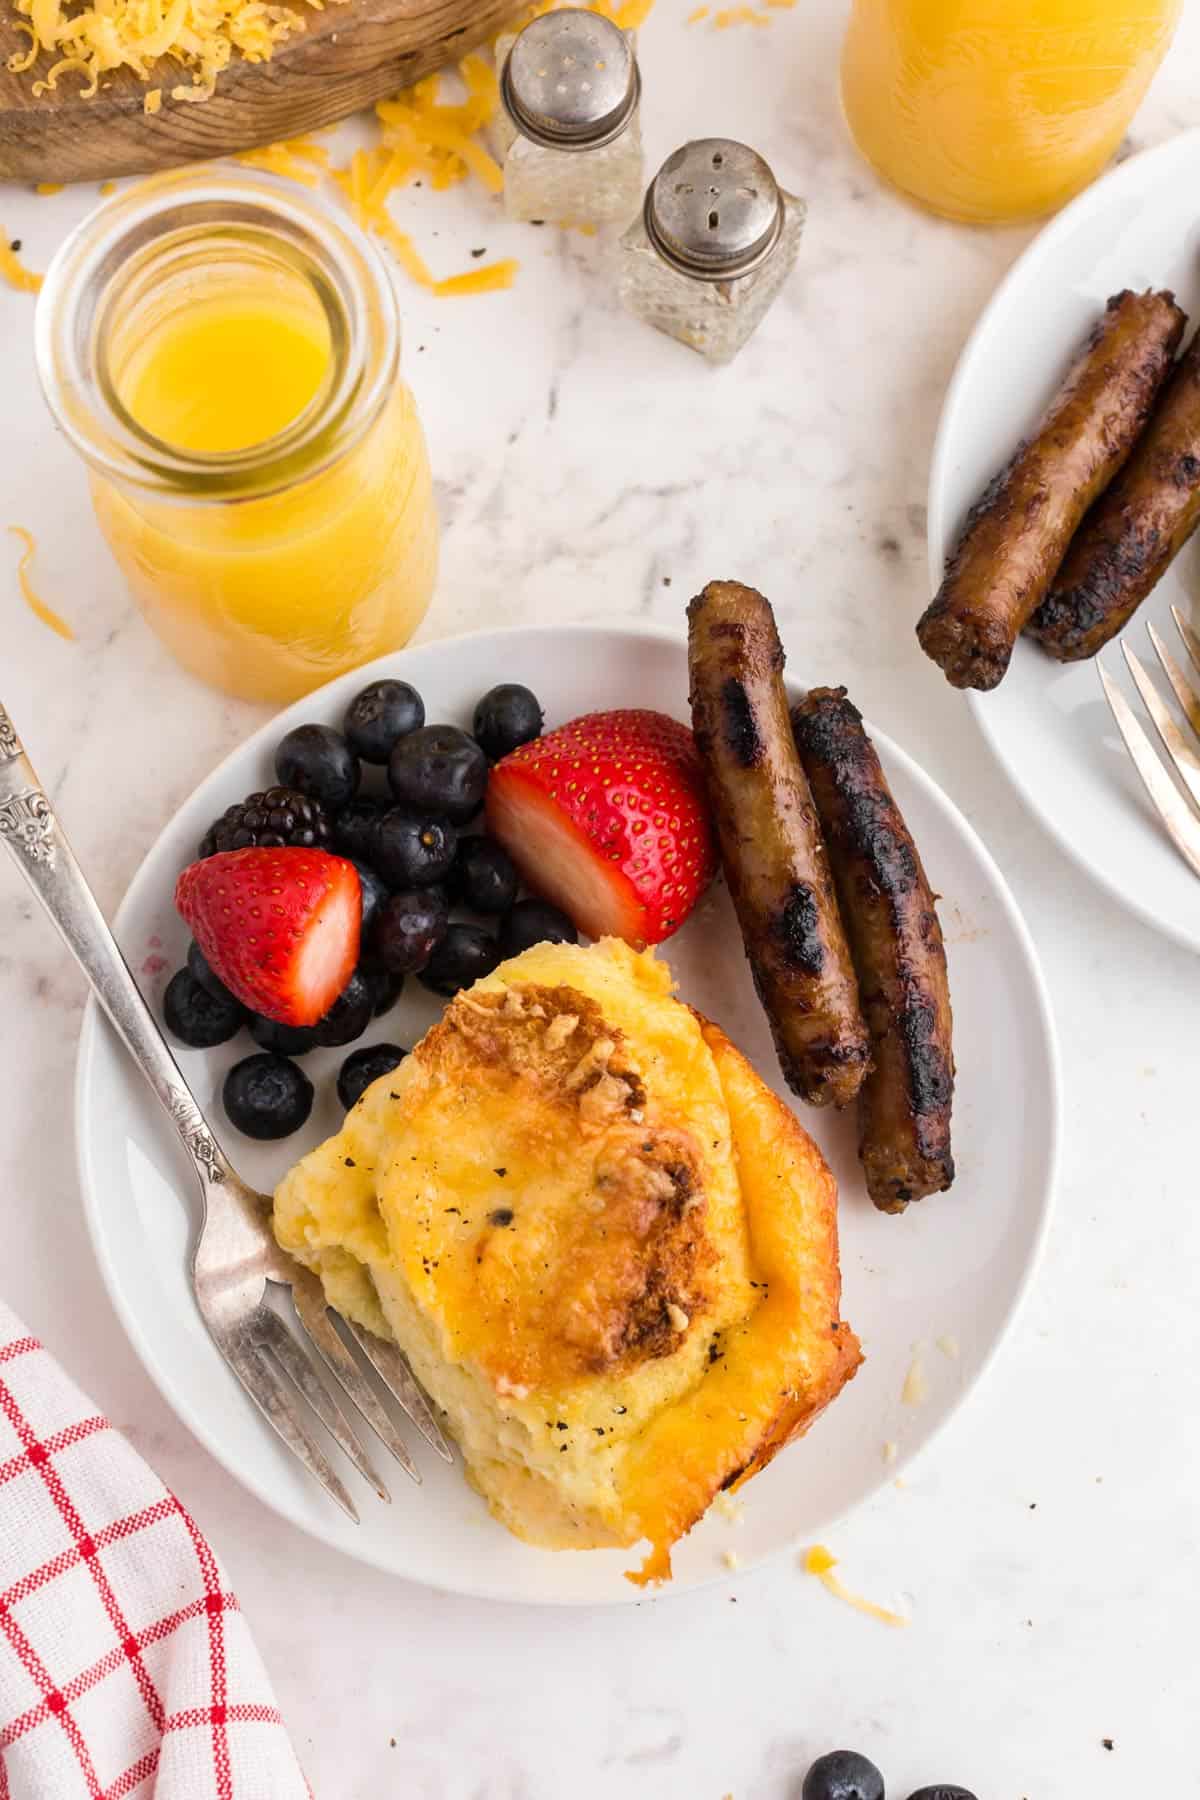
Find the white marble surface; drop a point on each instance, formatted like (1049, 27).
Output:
(1046, 1544)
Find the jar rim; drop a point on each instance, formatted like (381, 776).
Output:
(158, 219)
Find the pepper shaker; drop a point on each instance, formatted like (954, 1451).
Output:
(568, 135)
(715, 242)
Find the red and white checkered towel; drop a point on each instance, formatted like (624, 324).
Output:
(126, 1667)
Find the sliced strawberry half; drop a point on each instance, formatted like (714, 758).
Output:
(607, 817)
(280, 927)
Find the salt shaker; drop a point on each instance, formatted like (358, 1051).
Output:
(715, 242)
(568, 135)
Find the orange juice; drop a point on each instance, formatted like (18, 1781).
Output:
(991, 110)
(258, 467)
(228, 372)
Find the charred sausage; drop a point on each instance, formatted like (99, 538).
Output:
(896, 942)
(1017, 533)
(771, 845)
(1135, 530)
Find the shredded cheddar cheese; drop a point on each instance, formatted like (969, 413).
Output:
(279, 159)
(48, 187)
(739, 15)
(13, 270)
(820, 1562)
(91, 40)
(423, 139)
(916, 1389)
(696, 15)
(33, 599)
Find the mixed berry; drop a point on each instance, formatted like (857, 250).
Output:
(312, 900)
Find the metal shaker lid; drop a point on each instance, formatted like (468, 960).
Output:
(714, 210)
(571, 80)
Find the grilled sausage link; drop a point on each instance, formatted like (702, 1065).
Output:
(1135, 530)
(896, 942)
(771, 845)
(1017, 533)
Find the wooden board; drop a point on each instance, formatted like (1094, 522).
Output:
(347, 56)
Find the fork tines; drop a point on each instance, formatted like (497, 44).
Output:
(1181, 819)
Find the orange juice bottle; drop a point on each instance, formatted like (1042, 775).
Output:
(993, 110)
(226, 356)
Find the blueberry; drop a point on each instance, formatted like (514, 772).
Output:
(200, 969)
(484, 877)
(842, 1775)
(466, 954)
(409, 929)
(374, 896)
(507, 716)
(534, 922)
(385, 988)
(362, 1067)
(380, 716)
(317, 761)
(267, 1096)
(413, 852)
(439, 772)
(942, 1792)
(349, 1015)
(284, 1040)
(354, 828)
(197, 1016)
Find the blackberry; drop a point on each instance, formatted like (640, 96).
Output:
(269, 821)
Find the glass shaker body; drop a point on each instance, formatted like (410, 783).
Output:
(712, 311)
(572, 157)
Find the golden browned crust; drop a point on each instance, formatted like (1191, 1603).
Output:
(609, 1252)
(796, 1352)
(616, 1298)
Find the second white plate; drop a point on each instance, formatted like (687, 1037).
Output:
(950, 1271)
(1048, 722)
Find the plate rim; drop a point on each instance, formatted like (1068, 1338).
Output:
(1184, 145)
(95, 1033)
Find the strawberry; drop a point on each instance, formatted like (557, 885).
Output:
(280, 927)
(607, 817)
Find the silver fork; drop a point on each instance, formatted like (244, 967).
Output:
(236, 1256)
(1181, 819)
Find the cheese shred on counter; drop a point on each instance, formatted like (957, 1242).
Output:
(87, 42)
(820, 1562)
(33, 599)
(13, 270)
(423, 139)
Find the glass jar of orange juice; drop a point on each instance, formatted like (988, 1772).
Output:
(226, 357)
(992, 110)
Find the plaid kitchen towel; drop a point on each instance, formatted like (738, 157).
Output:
(126, 1667)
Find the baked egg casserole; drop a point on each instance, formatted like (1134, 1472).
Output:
(607, 1249)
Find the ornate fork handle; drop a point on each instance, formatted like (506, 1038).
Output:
(31, 831)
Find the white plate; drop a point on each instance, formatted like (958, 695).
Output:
(1048, 722)
(953, 1268)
